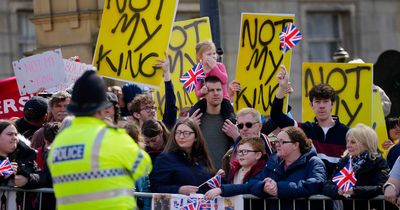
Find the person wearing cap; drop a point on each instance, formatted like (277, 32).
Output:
(35, 114)
(111, 113)
(92, 164)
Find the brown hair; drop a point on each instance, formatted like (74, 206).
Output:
(322, 91)
(255, 142)
(4, 124)
(133, 131)
(152, 128)
(199, 149)
(297, 135)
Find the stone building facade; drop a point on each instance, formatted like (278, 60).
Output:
(365, 28)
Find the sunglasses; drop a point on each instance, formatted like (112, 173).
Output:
(247, 124)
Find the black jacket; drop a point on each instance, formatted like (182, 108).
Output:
(370, 178)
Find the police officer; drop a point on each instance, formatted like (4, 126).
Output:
(92, 164)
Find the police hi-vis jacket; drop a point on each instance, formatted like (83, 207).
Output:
(94, 166)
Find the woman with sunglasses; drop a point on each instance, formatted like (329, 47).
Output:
(184, 164)
(294, 171)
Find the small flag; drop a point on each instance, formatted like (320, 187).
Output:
(289, 37)
(215, 181)
(190, 77)
(345, 178)
(5, 168)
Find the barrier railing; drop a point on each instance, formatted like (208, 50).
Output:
(250, 198)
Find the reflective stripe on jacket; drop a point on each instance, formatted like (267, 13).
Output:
(94, 166)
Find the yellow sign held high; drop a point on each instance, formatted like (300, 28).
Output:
(259, 59)
(182, 57)
(353, 84)
(133, 34)
(379, 124)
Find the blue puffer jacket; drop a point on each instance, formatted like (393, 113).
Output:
(172, 170)
(302, 178)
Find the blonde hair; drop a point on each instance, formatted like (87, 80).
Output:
(202, 47)
(253, 112)
(365, 136)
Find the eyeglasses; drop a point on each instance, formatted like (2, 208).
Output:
(149, 108)
(245, 151)
(281, 142)
(185, 133)
(247, 124)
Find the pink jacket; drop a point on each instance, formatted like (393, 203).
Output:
(220, 72)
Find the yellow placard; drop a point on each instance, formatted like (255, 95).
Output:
(259, 59)
(379, 124)
(182, 57)
(132, 35)
(353, 83)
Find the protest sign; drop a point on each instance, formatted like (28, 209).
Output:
(44, 70)
(73, 71)
(378, 118)
(195, 201)
(182, 56)
(259, 59)
(11, 102)
(133, 34)
(351, 81)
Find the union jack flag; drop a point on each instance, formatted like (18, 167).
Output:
(215, 181)
(194, 204)
(190, 77)
(345, 178)
(289, 37)
(5, 168)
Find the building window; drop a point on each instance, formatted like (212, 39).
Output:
(26, 32)
(326, 32)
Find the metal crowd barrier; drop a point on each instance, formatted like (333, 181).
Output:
(249, 198)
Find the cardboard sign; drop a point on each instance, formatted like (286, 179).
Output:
(44, 70)
(379, 124)
(259, 59)
(11, 102)
(353, 84)
(73, 71)
(182, 57)
(133, 34)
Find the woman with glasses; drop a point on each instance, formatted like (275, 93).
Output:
(155, 136)
(294, 171)
(251, 158)
(185, 162)
(368, 166)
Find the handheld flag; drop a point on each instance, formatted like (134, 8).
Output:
(5, 168)
(214, 182)
(190, 77)
(289, 37)
(345, 178)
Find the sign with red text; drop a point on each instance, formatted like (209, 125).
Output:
(45, 70)
(73, 70)
(11, 102)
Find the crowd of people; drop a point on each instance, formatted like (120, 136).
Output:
(101, 143)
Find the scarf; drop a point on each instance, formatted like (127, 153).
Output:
(356, 162)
